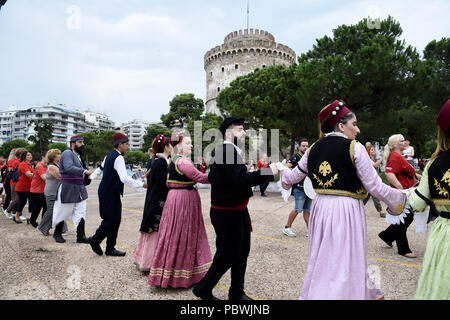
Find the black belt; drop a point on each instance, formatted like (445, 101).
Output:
(187, 188)
(445, 215)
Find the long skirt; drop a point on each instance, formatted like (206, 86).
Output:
(337, 265)
(434, 281)
(145, 249)
(183, 255)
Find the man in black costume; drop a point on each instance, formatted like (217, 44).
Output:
(231, 188)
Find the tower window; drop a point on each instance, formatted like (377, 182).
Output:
(211, 73)
(223, 69)
(263, 66)
(236, 66)
(218, 89)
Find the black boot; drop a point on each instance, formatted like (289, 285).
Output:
(81, 236)
(57, 234)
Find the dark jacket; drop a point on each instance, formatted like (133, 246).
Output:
(231, 184)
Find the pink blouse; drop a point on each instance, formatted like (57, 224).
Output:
(394, 198)
(187, 167)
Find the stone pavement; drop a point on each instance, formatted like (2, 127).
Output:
(36, 267)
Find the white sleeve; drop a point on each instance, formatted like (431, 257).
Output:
(97, 172)
(119, 165)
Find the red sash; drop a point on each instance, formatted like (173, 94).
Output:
(240, 207)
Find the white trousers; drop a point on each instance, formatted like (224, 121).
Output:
(63, 211)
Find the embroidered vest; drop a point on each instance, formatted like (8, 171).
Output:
(331, 167)
(439, 179)
(176, 176)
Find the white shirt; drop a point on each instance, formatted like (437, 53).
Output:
(239, 151)
(119, 166)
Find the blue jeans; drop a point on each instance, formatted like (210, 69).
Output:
(302, 202)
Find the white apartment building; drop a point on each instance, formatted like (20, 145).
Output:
(6, 121)
(67, 122)
(135, 130)
(99, 120)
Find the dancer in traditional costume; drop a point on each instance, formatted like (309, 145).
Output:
(231, 189)
(182, 256)
(154, 203)
(341, 173)
(434, 190)
(71, 194)
(109, 192)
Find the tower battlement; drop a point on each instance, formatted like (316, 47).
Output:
(241, 52)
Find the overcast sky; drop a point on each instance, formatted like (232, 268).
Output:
(129, 58)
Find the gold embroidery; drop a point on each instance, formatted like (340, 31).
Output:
(441, 190)
(179, 273)
(361, 191)
(446, 177)
(327, 184)
(400, 208)
(325, 168)
(352, 151)
(341, 193)
(161, 204)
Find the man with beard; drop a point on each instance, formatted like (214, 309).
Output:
(231, 188)
(71, 193)
(109, 192)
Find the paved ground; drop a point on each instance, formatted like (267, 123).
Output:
(36, 267)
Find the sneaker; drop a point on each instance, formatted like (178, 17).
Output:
(288, 232)
(8, 215)
(22, 218)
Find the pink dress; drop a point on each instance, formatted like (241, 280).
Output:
(337, 265)
(182, 256)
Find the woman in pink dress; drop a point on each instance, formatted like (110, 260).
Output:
(182, 255)
(342, 174)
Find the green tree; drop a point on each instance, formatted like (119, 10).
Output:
(7, 146)
(208, 121)
(58, 145)
(437, 58)
(135, 157)
(97, 145)
(183, 107)
(150, 135)
(42, 137)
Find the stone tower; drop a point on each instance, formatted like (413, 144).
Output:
(241, 53)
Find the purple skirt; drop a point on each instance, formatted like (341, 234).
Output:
(337, 265)
(182, 256)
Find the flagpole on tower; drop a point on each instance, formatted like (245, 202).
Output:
(248, 14)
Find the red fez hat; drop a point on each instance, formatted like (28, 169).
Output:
(443, 118)
(159, 142)
(176, 138)
(119, 137)
(76, 138)
(334, 111)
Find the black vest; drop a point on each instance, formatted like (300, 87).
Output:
(110, 181)
(439, 179)
(176, 176)
(331, 167)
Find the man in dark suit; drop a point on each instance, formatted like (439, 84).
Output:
(231, 188)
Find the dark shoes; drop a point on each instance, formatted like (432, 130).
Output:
(203, 296)
(242, 297)
(58, 238)
(381, 236)
(16, 221)
(115, 253)
(82, 239)
(95, 247)
(33, 223)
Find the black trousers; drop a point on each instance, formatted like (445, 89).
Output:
(39, 203)
(7, 187)
(232, 249)
(397, 233)
(111, 213)
(263, 187)
(23, 198)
